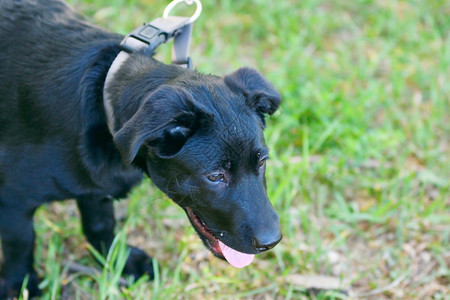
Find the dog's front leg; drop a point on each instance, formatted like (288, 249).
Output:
(17, 236)
(97, 217)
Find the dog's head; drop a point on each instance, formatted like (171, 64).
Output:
(200, 139)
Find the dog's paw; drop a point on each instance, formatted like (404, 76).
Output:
(139, 264)
(12, 291)
(33, 286)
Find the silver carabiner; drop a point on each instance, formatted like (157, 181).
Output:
(174, 3)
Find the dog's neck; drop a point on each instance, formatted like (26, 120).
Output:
(147, 38)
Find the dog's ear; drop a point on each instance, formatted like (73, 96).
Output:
(259, 93)
(163, 122)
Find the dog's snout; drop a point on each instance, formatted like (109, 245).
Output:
(266, 242)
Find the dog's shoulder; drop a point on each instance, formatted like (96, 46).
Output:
(45, 21)
(12, 11)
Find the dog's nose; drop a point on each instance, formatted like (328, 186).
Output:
(265, 243)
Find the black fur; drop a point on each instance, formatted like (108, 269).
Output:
(175, 125)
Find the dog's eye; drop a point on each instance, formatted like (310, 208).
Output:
(261, 159)
(262, 162)
(216, 177)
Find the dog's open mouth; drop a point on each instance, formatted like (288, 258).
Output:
(235, 258)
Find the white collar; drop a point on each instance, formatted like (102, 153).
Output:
(148, 37)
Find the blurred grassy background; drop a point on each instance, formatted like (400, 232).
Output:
(360, 162)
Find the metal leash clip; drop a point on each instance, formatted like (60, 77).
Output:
(150, 35)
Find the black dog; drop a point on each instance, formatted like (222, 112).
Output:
(199, 137)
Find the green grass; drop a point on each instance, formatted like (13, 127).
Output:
(360, 153)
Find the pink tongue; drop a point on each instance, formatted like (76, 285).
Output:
(235, 258)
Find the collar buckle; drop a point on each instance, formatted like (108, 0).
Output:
(150, 35)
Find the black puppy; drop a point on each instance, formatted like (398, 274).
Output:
(199, 137)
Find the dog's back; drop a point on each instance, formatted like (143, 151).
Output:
(39, 42)
(52, 69)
